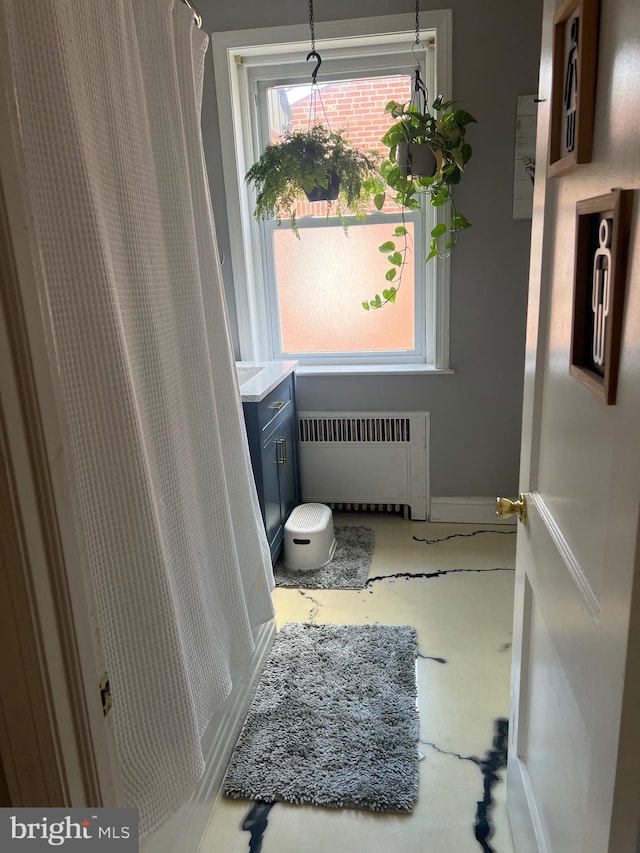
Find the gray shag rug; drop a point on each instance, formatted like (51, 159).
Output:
(348, 569)
(334, 721)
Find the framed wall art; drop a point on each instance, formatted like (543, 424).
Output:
(602, 239)
(573, 93)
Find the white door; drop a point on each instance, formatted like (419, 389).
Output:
(573, 779)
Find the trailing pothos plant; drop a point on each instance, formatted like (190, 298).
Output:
(318, 164)
(442, 132)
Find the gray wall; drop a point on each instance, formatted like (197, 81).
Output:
(476, 413)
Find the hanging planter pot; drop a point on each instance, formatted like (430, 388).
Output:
(295, 167)
(290, 170)
(413, 173)
(328, 193)
(416, 159)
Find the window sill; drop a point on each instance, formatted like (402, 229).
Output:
(373, 369)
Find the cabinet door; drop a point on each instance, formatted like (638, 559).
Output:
(271, 491)
(287, 468)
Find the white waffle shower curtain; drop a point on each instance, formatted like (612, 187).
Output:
(108, 95)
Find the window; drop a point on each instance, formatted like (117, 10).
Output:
(302, 298)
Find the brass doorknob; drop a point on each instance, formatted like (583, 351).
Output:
(505, 508)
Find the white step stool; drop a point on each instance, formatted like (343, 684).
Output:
(309, 538)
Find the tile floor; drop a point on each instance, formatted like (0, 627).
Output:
(459, 598)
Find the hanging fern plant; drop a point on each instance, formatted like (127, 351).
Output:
(314, 164)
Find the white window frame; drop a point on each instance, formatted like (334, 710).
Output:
(234, 53)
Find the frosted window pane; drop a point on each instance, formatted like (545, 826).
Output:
(322, 280)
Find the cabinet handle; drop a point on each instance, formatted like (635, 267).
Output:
(278, 406)
(282, 445)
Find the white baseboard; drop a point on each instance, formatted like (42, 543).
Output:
(184, 831)
(467, 511)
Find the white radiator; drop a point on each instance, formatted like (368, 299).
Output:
(365, 458)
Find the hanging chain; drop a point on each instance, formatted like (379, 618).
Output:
(420, 96)
(311, 26)
(315, 97)
(313, 100)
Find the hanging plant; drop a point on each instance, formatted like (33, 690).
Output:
(428, 154)
(317, 164)
(443, 134)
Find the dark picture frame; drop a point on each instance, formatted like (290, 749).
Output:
(603, 227)
(573, 93)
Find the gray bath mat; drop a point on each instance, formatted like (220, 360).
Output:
(334, 721)
(348, 569)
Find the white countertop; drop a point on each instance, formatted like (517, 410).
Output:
(263, 377)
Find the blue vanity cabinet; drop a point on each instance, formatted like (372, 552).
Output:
(271, 430)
